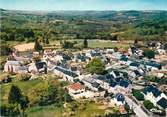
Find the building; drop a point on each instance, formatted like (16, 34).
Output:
(118, 100)
(66, 74)
(152, 65)
(76, 88)
(91, 83)
(162, 103)
(37, 67)
(15, 67)
(153, 94)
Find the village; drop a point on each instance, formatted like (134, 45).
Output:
(126, 81)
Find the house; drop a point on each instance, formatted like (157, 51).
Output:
(37, 67)
(107, 82)
(76, 88)
(110, 51)
(116, 56)
(65, 73)
(134, 66)
(152, 65)
(153, 94)
(77, 91)
(15, 67)
(118, 99)
(162, 103)
(116, 74)
(91, 83)
(134, 73)
(161, 51)
(24, 47)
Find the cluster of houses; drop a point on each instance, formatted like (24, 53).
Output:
(158, 98)
(122, 68)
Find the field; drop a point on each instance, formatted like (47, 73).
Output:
(53, 111)
(94, 44)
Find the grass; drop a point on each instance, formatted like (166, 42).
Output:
(53, 111)
(95, 44)
(91, 108)
(24, 86)
(45, 111)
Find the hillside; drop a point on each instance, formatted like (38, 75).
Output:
(58, 25)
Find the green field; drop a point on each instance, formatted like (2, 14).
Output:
(53, 111)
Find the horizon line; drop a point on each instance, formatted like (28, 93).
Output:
(85, 10)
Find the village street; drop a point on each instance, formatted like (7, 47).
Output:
(137, 109)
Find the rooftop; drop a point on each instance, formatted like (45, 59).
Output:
(152, 89)
(76, 86)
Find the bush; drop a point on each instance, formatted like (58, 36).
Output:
(6, 79)
(149, 53)
(24, 77)
(149, 105)
(137, 94)
(43, 94)
(9, 110)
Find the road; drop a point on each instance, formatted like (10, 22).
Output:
(137, 109)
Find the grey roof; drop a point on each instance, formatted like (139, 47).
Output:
(66, 71)
(12, 63)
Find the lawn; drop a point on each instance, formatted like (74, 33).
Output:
(45, 111)
(23, 85)
(91, 108)
(53, 111)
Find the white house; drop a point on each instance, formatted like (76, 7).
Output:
(153, 94)
(76, 88)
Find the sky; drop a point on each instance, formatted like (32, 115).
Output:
(53, 5)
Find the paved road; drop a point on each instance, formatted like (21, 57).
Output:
(137, 109)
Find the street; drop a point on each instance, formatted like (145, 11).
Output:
(137, 109)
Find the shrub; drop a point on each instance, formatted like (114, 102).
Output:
(149, 105)
(24, 77)
(137, 94)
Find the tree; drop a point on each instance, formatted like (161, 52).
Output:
(4, 49)
(9, 110)
(67, 44)
(47, 41)
(24, 103)
(14, 95)
(43, 94)
(85, 43)
(137, 94)
(37, 46)
(149, 53)
(95, 66)
(149, 105)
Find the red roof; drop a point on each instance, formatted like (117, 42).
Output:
(76, 86)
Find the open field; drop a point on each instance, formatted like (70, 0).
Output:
(91, 108)
(95, 44)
